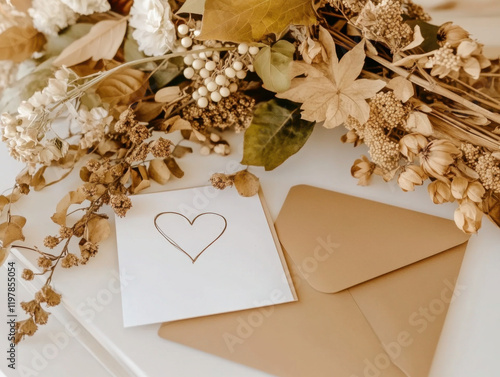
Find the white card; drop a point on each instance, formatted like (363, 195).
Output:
(197, 252)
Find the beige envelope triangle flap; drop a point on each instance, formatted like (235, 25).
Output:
(338, 241)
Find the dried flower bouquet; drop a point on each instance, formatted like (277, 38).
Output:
(102, 86)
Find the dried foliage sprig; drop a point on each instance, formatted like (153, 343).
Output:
(105, 84)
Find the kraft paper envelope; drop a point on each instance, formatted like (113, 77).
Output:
(374, 283)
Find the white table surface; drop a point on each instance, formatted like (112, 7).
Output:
(468, 347)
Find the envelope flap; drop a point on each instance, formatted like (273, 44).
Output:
(338, 241)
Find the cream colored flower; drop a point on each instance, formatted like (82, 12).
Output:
(154, 30)
(461, 188)
(87, 7)
(437, 157)
(51, 16)
(468, 217)
(440, 192)
(411, 176)
(411, 145)
(451, 34)
(362, 170)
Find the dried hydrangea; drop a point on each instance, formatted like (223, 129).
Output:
(120, 203)
(88, 6)
(88, 250)
(51, 16)
(93, 124)
(154, 30)
(161, 148)
(384, 22)
(221, 181)
(69, 261)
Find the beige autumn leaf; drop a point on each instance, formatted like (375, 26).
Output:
(251, 20)
(337, 93)
(102, 42)
(123, 87)
(19, 43)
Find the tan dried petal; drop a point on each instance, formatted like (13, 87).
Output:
(30, 306)
(411, 176)
(475, 192)
(26, 327)
(459, 187)
(468, 217)
(41, 316)
(440, 192)
(411, 145)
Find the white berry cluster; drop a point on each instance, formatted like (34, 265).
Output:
(214, 77)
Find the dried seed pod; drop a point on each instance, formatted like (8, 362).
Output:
(362, 169)
(468, 217)
(440, 192)
(411, 176)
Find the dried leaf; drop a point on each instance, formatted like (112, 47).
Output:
(403, 88)
(102, 42)
(57, 43)
(419, 123)
(10, 232)
(19, 43)
(3, 202)
(276, 133)
(174, 167)
(168, 94)
(177, 124)
(251, 20)
(193, 7)
(417, 39)
(73, 197)
(4, 253)
(273, 65)
(180, 151)
(246, 183)
(337, 94)
(98, 229)
(147, 111)
(140, 179)
(38, 180)
(429, 33)
(123, 87)
(18, 220)
(159, 171)
(21, 5)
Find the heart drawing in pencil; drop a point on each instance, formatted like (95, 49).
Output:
(191, 237)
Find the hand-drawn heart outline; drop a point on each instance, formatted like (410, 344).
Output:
(173, 243)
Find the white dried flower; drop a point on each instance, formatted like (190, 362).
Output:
(154, 30)
(50, 16)
(88, 6)
(93, 125)
(410, 177)
(468, 217)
